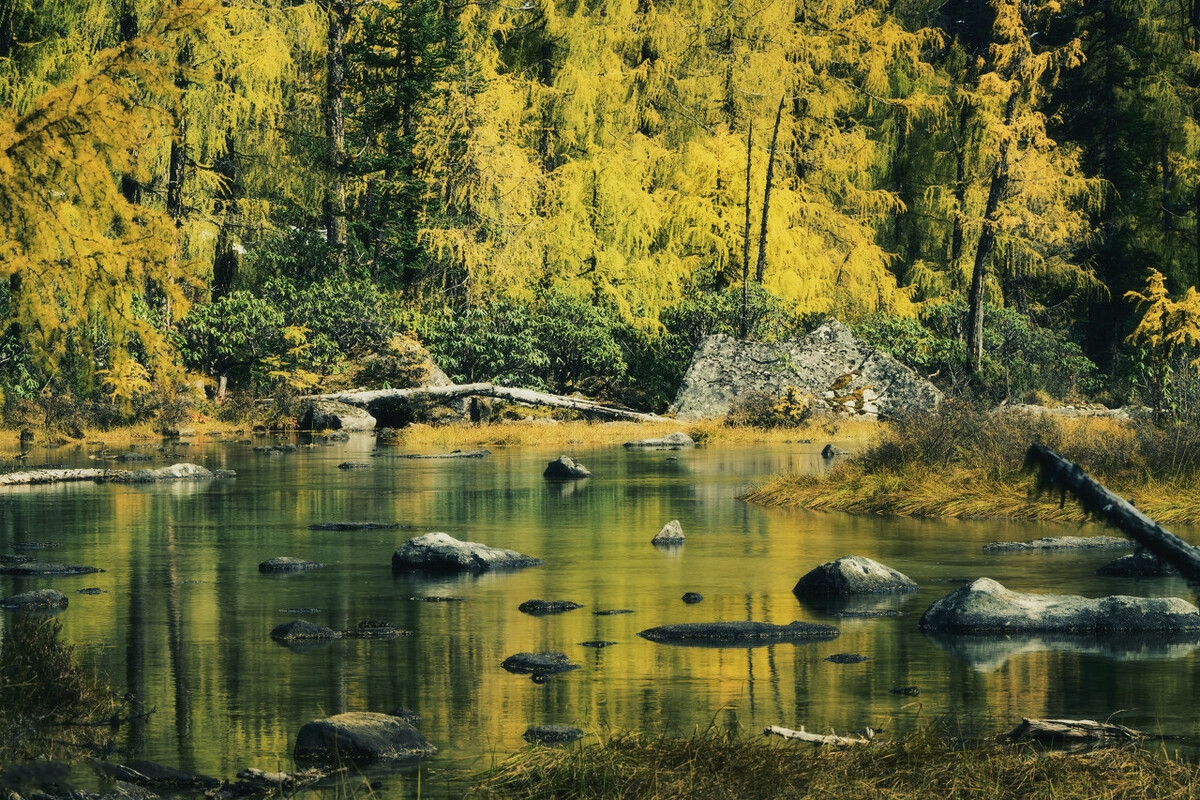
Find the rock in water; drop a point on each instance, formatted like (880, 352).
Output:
(361, 735)
(851, 575)
(672, 441)
(440, 552)
(985, 606)
(565, 468)
(670, 535)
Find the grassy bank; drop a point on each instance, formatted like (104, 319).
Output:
(966, 462)
(546, 430)
(919, 766)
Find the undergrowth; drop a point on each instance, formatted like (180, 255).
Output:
(969, 462)
(927, 763)
(49, 706)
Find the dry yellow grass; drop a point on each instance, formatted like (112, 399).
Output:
(970, 464)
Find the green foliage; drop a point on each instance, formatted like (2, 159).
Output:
(1021, 358)
(231, 336)
(494, 343)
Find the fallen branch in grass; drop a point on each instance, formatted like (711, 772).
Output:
(816, 738)
(1073, 730)
(1057, 473)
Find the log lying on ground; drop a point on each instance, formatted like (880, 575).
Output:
(816, 738)
(1057, 473)
(388, 398)
(1073, 730)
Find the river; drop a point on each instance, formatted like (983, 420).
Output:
(183, 619)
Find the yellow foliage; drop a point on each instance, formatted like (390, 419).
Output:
(1166, 323)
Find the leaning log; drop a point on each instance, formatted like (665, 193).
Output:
(390, 398)
(1073, 730)
(816, 738)
(1058, 474)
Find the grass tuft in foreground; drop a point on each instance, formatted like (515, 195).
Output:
(926, 764)
(968, 462)
(49, 706)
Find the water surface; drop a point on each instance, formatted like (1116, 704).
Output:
(184, 618)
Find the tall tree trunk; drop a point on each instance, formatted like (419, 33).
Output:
(761, 266)
(960, 186)
(8, 36)
(176, 170)
(127, 31)
(335, 126)
(228, 256)
(746, 236)
(987, 240)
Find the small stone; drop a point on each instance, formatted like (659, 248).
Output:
(552, 734)
(691, 598)
(846, 658)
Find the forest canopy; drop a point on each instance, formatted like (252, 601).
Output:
(569, 194)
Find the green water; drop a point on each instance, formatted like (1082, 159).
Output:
(184, 618)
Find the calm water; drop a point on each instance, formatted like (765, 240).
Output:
(184, 618)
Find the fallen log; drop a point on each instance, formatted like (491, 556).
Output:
(1073, 730)
(816, 738)
(1056, 473)
(389, 398)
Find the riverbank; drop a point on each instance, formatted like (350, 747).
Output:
(546, 430)
(928, 763)
(969, 463)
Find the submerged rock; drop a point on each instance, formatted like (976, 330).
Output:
(691, 598)
(301, 630)
(37, 599)
(985, 606)
(852, 575)
(1060, 543)
(541, 608)
(847, 658)
(356, 526)
(361, 735)
(287, 564)
(1142, 564)
(42, 568)
(548, 663)
(672, 441)
(154, 775)
(739, 633)
(830, 451)
(440, 552)
(671, 535)
(565, 468)
(552, 734)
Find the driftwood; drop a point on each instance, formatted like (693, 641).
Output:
(1073, 730)
(388, 398)
(816, 738)
(1057, 473)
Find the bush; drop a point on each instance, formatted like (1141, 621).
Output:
(1020, 359)
(43, 689)
(762, 410)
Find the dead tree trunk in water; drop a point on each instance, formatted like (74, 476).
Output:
(1058, 474)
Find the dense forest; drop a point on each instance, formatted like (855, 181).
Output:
(276, 196)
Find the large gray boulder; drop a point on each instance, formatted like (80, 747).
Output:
(985, 606)
(565, 468)
(361, 735)
(831, 364)
(671, 535)
(851, 575)
(332, 415)
(441, 552)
